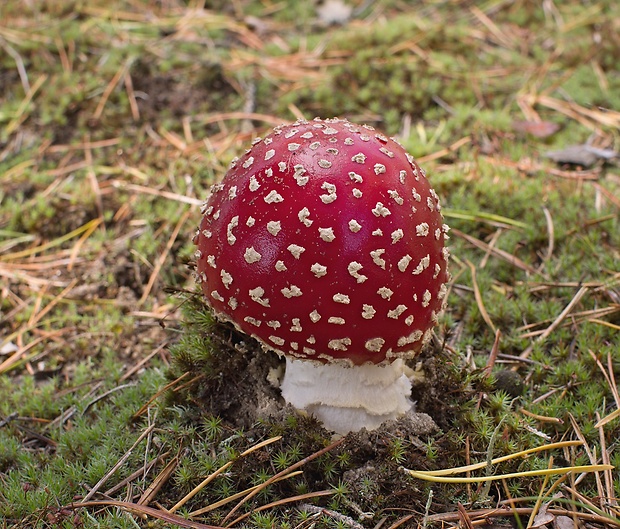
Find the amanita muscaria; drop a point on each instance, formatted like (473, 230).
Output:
(325, 242)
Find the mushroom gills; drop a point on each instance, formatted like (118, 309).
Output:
(347, 398)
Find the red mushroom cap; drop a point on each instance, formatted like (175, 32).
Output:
(325, 241)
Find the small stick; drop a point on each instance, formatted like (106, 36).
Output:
(8, 419)
(240, 494)
(539, 499)
(157, 394)
(118, 184)
(341, 518)
(131, 96)
(158, 482)
(494, 352)
(20, 113)
(282, 473)
(292, 499)
(19, 62)
(401, 521)
(162, 257)
(144, 510)
(591, 454)
(108, 91)
(106, 394)
(429, 503)
(80, 242)
(610, 498)
(464, 517)
(492, 243)
(550, 233)
(478, 297)
(541, 418)
(497, 252)
(135, 368)
(503, 512)
(213, 475)
(136, 474)
(94, 184)
(580, 293)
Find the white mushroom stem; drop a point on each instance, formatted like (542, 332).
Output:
(347, 399)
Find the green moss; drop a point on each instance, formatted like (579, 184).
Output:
(437, 72)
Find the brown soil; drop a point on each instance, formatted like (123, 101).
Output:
(242, 387)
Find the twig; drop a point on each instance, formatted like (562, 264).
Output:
(464, 517)
(118, 184)
(106, 394)
(145, 406)
(540, 497)
(591, 454)
(163, 256)
(80, 242)
(341, 518)
(284, 501)
(226, 116)
(136, 474)
(69, 412)
(556, 323)
(280, 474)
(213, 475)
(494, 352)
(508, 457)
(131, 96)
(503, 512)
(478, 297)
(85, 145)
(143, 509)
(240, 494)
(20, 113)
(109, 89)
(492, 243)
(19, 63)
(541, 418)
(550, 234)
(8, 419)
(427, 508)
(609, 377)
(7, 364)
(495, 251)
(401, 521)
(159, 481)
(610, 497)
(135, 368)
(56, 242)
(576, 317)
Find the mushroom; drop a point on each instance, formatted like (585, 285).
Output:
(325, 242)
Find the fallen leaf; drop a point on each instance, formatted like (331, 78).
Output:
(540, 129)
(8, 348)
(584, 155)
(334, 12)
(563, 522)
(543, 517)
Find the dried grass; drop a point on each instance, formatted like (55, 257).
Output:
(39, 274)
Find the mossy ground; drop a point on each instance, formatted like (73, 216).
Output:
(116, 385)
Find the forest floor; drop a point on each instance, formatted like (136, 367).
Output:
(122, 404)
